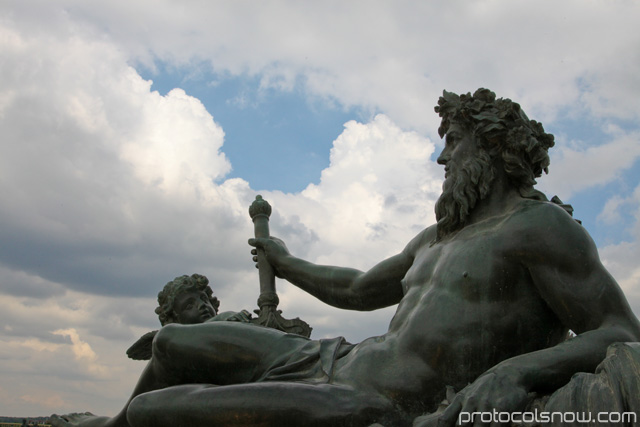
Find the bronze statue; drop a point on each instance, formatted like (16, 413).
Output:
(485, 299)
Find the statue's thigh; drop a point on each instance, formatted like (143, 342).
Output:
(266, 403)
(221, 353)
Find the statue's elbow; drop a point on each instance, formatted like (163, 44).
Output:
(627, 330)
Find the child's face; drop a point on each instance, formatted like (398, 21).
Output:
(193, 307)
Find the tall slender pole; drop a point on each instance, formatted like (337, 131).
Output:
(268, 314)
(260, 211)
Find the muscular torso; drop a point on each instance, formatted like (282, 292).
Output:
(468, 304)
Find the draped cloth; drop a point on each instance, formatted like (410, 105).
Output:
(312, 361)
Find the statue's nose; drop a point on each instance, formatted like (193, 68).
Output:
(443, 158)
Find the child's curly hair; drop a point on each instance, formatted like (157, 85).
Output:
(166, 297)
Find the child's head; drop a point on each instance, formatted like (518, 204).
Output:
(187, 300)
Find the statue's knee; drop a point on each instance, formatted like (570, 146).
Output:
(138, 411)
(164, 340)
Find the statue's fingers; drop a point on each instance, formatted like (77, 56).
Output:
(255, 259)
(257, 242)
(254, 252)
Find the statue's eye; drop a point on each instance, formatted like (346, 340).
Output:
(450, 140)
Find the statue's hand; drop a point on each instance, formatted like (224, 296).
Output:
(242, 316)
(274, 249)
(232, 316)
(493, 392)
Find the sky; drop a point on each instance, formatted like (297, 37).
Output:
(136, 134)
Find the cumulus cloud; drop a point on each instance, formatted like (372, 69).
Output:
(611, 212)
(378, 207)
(395, 57)
(378, 192)
(83, 353)
(621, 259)
(81, 350)
(179, 150)
(103, 165)
(577, 167)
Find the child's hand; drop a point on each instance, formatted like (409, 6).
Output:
(241, 316)
(232, 316)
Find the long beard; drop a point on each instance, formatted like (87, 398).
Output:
(461, 191)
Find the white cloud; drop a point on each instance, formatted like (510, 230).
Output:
(377, 194)
(576, 167)
(396, 57)
(83, 353)
(81, 349)
(178, 151)
(611, 211)
(103, 164)
(622, 262)
(621, 259)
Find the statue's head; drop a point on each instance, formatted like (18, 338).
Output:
(186, 299)
(502, 129)
(505, 138)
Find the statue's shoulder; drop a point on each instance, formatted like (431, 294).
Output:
(424, 238)
(539, 213)
(544, 224)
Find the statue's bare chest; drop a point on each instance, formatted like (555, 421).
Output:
(471, 288)
(478, 265)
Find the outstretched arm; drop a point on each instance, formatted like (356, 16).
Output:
(340, 287)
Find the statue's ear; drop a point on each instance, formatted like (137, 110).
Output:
(141, 349)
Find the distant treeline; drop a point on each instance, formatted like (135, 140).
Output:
(12, 421)
(30, 424)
